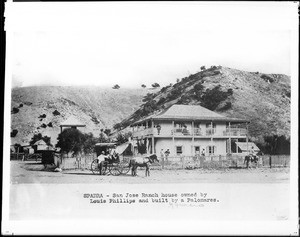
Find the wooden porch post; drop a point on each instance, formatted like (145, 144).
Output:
(247, 138)
(193, 138)
(229, 130)
(173, 139)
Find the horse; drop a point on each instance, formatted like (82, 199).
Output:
(251, 158)
(142, 162)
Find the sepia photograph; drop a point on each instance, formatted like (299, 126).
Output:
(160, 118)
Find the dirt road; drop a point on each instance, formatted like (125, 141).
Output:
(33, 172)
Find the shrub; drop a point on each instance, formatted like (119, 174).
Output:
(42, 116)
(50, 124)
(202, 68)
(14, 133)
(155, 85)
(116, 86)
(267, 78)
(21, 105)
(198, 87)
(212, 98)
(143, 85)
(148, 97)
(55, 112)
(174, 94)
(230, 91)
(39, 136)
(161, 100)
(43, 125)
(15, 110)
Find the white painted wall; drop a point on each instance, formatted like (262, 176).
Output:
(188, 146)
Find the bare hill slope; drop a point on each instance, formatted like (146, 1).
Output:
(264, 99)
(96, 107)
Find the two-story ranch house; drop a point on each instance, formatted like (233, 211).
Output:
(188, 130)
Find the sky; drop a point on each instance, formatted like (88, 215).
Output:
(102, 44)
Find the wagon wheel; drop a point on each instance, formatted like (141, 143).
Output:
(124, 167)
(95, 166)
(114, 170)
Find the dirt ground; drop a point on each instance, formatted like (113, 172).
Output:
(33, 172)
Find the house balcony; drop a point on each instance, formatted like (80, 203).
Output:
(235, 132)
(196, 132)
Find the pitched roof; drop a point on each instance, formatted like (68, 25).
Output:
(72, 121)
(40, 142)
(189, 112)
(243, 146)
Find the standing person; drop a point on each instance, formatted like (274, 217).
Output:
(162, 156)
(167, 153)
(202, 157)
(158, 128)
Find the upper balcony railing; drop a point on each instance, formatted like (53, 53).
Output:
(196, 132)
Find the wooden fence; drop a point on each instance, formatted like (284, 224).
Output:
(185, 162)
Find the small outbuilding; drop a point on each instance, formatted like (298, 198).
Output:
(245, 147)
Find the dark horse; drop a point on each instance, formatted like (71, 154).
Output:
(142, 162)
(251, 158)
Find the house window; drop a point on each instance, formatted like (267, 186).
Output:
(211, 150)
(178, 150)
(197, 150)
(210, 128)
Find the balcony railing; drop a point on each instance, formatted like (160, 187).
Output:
(235, 132)
(196, 132)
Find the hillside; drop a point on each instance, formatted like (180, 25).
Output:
(33, 107)
(264, 99)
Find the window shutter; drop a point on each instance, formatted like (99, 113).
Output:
(215, 149)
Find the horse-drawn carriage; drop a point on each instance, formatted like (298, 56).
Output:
(112, 164)
(116, 166)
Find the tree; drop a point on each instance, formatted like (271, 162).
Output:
(122, 138)
(155, 85)
(103, 137)
(143, 85)
(202, 68)
(39, 136)
(116, 86)
(89, 143)
(71, 140)
(107, 131)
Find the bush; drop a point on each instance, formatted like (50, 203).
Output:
(43, 125)
(174, 94)
(143, 85)
(155, 85)
(229, 91)
(202, 68)
(148, 97)
(116, 86)
(21, 105)
(14, 133)
(212, 98)
(161, 100)
(55, 112)
(39, 136)
(42, 116)
(50, 124)
(15, 110)
(267, 78)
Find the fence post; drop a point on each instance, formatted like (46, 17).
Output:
(270, 161)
